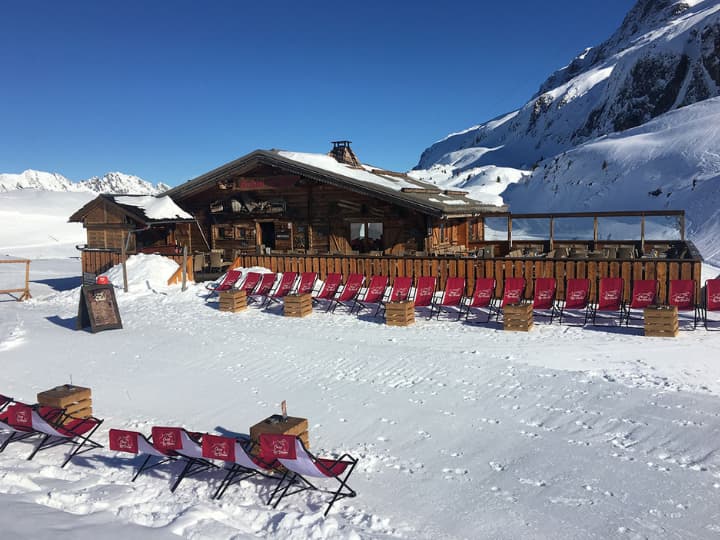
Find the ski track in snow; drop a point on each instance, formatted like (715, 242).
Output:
(463, 431)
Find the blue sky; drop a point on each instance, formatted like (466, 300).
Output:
(168, 90)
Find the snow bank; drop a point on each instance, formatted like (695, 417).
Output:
(145, 272)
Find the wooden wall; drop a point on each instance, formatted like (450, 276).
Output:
(469, 268)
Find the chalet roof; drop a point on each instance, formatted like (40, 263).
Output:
(393, 187)
(145, 209)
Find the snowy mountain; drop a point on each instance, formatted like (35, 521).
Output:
(633, 112)
(113, 182)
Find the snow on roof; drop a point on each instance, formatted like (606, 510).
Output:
(329, 163)
(155, 208)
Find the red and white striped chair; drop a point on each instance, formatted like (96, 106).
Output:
(329, 288)
(241, 464)
(544, 298)
(179, 443)
(18, 422)
(373, 294)
(287, 281)
(64, 429)
(577, 298)
(513, 291)
(483, 297)
(451, 300)
(399, 292)
(133, 442)
(682, 296)
(299, 464)
(712, 301)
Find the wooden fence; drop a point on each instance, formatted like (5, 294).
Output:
(470, 268)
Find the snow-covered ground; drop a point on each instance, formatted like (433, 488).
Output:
(463, 431)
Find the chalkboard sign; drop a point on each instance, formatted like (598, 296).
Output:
(98, 308)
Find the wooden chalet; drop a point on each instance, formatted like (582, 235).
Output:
(290, 211)
(277, 202)
(131, 223)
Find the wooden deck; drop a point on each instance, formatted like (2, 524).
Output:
(661, 269)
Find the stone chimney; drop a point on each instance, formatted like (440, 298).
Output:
(342, 153)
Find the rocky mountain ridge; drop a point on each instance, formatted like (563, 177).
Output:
(112, 182)
(665, 55)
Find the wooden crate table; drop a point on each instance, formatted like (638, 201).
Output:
(233, 301)
(297, 305)
(400, 313)
(76, 400)
(518, 317)
(661, 321)
(275, 425)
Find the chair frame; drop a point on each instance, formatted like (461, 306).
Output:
(244, 464)
(553, 307)
(147, 448)
(586, 299)
(294, 478)
(707, 301)
(629, 306)
(374, 294)
(491, 300)
(399, 292)
(226, 283)
(452, 285)
(602, 293)
(66, 430)
(194, 464)
(505, 299)
(283, 288)
(327, 292)
(696, 309)
(347, 300)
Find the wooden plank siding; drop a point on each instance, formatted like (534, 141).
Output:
(470, 268)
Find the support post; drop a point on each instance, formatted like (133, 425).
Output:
(184, 268)
(642, 234)
(123, 257)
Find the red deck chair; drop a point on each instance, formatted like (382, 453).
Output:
(18, 421)
(263, 289)
(373, 294)
(225, 283)
(287, 280)
(682, 295)
(250, 282)
(451, 300)
(329, 288)
(610, 298)
(241, 464)
(399, 292)
(577, 296)
(712, 299)
(178, 443)
(483, 297)
(299, 464)
(306, 285)
(76, 432)
(544, 297)
(122, 440)
(425, 292)
(513, 290)
(5, 401)
(346, 297)
(644, 294)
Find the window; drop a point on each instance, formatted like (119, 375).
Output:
(366, 236)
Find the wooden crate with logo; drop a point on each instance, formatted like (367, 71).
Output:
(233, 301)
(400, 313)
(661, 321)
(76, 400)
(277, 425)
(297, 305)
(518, 317)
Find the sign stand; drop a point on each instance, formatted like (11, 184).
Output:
(98, 308)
